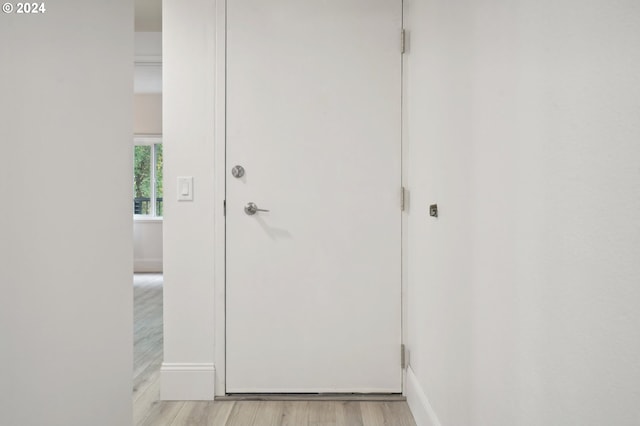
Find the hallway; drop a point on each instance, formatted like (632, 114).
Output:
(149, 411)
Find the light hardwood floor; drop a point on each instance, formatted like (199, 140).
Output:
(149, 411)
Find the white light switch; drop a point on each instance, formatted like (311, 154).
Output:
(185, 188)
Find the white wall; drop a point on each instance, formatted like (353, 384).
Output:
(65, 215)
(148, 15)
(438, 72)
(148, 45)
(148, 63)
(188, 105)
(147, 109)
(523, 125)
(147, 245)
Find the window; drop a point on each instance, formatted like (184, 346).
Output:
(147, 177)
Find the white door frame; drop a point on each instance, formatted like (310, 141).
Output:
(219, 218)
(220, 153)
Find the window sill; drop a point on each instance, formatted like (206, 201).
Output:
(146, 219)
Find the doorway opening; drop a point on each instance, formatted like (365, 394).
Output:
(148, 208)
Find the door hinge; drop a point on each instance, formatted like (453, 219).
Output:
(403, 357)
(224, 207)
(403, 198)
(403, 41)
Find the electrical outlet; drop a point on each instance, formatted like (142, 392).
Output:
(433, 210)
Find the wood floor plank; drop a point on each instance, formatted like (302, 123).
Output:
(147, 348)
(163, 413)
(295, 413)
(269, 413)
(397, 414)
(372, 413)
(144, 382)
(145, 378)
(221, 412)
(193, 413)
(348, 413)
(243, 413)
(322, 413)
(144, 402)
(209, 413)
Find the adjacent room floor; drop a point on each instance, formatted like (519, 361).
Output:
(150, 411)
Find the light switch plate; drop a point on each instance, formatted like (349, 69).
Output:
(185, 188)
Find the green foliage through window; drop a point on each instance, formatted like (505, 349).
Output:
(147, 179)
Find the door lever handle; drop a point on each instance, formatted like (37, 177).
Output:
(252, 208)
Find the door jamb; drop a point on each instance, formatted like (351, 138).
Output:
(406, 201)
(219, 164)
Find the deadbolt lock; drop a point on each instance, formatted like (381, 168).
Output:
(237, 172)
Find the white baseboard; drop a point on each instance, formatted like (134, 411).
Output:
(187, 381)
(421, 409)
(147, 265)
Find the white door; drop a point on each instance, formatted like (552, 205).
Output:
(314, 118)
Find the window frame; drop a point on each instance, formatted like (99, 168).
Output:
(152, 141)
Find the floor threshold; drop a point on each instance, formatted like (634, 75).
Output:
(376, 397)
